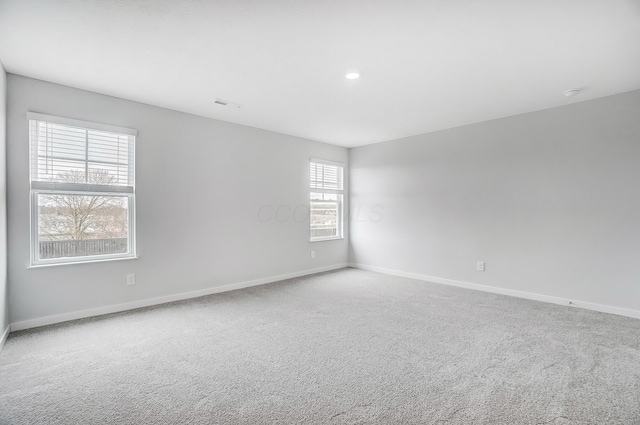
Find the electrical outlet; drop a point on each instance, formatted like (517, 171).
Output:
(313, 254)
(480, 266)
(131, 279)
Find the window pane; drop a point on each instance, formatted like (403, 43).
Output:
(61, 151)
(81, 225)
(108, 174)
(109, 153)
(325, 210)
(60, 170)
(76, 155)
(323, 176)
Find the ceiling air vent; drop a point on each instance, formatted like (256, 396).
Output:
(227, 103)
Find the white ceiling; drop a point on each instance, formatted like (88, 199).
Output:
(425, 65)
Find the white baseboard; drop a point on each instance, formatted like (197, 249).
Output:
(99, 311)
(510, 292)
(4, 336)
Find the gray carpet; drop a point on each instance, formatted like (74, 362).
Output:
(346, 347)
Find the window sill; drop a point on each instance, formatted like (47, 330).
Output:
(337, 238)
(89, 261)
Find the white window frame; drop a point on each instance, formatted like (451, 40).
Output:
(41, 187)
(340, 223)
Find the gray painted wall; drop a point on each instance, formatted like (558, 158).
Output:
(549, 200)
(4, 297)
(200, 184)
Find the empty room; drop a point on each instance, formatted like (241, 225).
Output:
(319, 212)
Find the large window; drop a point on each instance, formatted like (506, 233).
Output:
(326, 198)
(82, 191)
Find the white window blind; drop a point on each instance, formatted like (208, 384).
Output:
(82, 190)
(326, 177)
(326, 186)
(68, 157)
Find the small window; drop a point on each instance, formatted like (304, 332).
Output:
(326, 199)
(82, 191)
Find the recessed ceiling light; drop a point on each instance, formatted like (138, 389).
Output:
(572, 92)
(352, 76)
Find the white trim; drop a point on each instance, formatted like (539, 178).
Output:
(509, 292)
(80, 188)
(98, 311)
(328, 238)
(328, 191)
(4, 337)
(87, 259)
(36, 116)
(326, 162)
